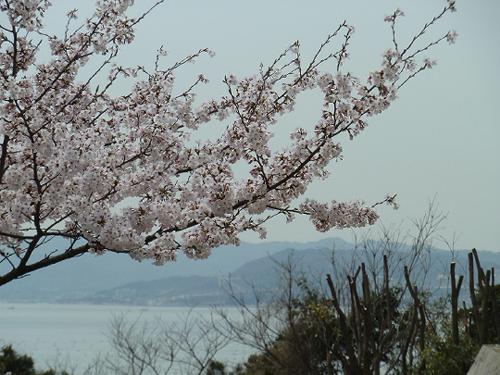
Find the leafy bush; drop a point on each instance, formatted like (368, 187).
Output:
(14, 363)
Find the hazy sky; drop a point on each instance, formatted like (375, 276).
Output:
(439, 139)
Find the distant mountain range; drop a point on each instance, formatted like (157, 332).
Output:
(116, 279)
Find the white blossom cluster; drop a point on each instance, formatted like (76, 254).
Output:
(72, 154)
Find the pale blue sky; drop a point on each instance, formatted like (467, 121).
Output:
(440, 139)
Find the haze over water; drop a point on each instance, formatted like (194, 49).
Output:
(74, 335)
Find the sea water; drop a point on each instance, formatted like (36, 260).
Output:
(72, 336)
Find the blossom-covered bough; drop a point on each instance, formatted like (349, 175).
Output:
(125, 174)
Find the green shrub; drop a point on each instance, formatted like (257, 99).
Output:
(20, 364)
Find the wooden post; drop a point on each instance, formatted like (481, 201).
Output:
(455, 292)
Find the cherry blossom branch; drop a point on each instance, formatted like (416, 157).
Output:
(446, 9)
(73, 154)
(3, 157)
(24, 269)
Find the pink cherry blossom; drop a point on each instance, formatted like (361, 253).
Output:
(126, 173)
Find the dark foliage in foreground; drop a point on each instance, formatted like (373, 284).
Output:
(13, 363)
(382, 326)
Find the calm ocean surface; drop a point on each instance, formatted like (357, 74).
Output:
(75, 334)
